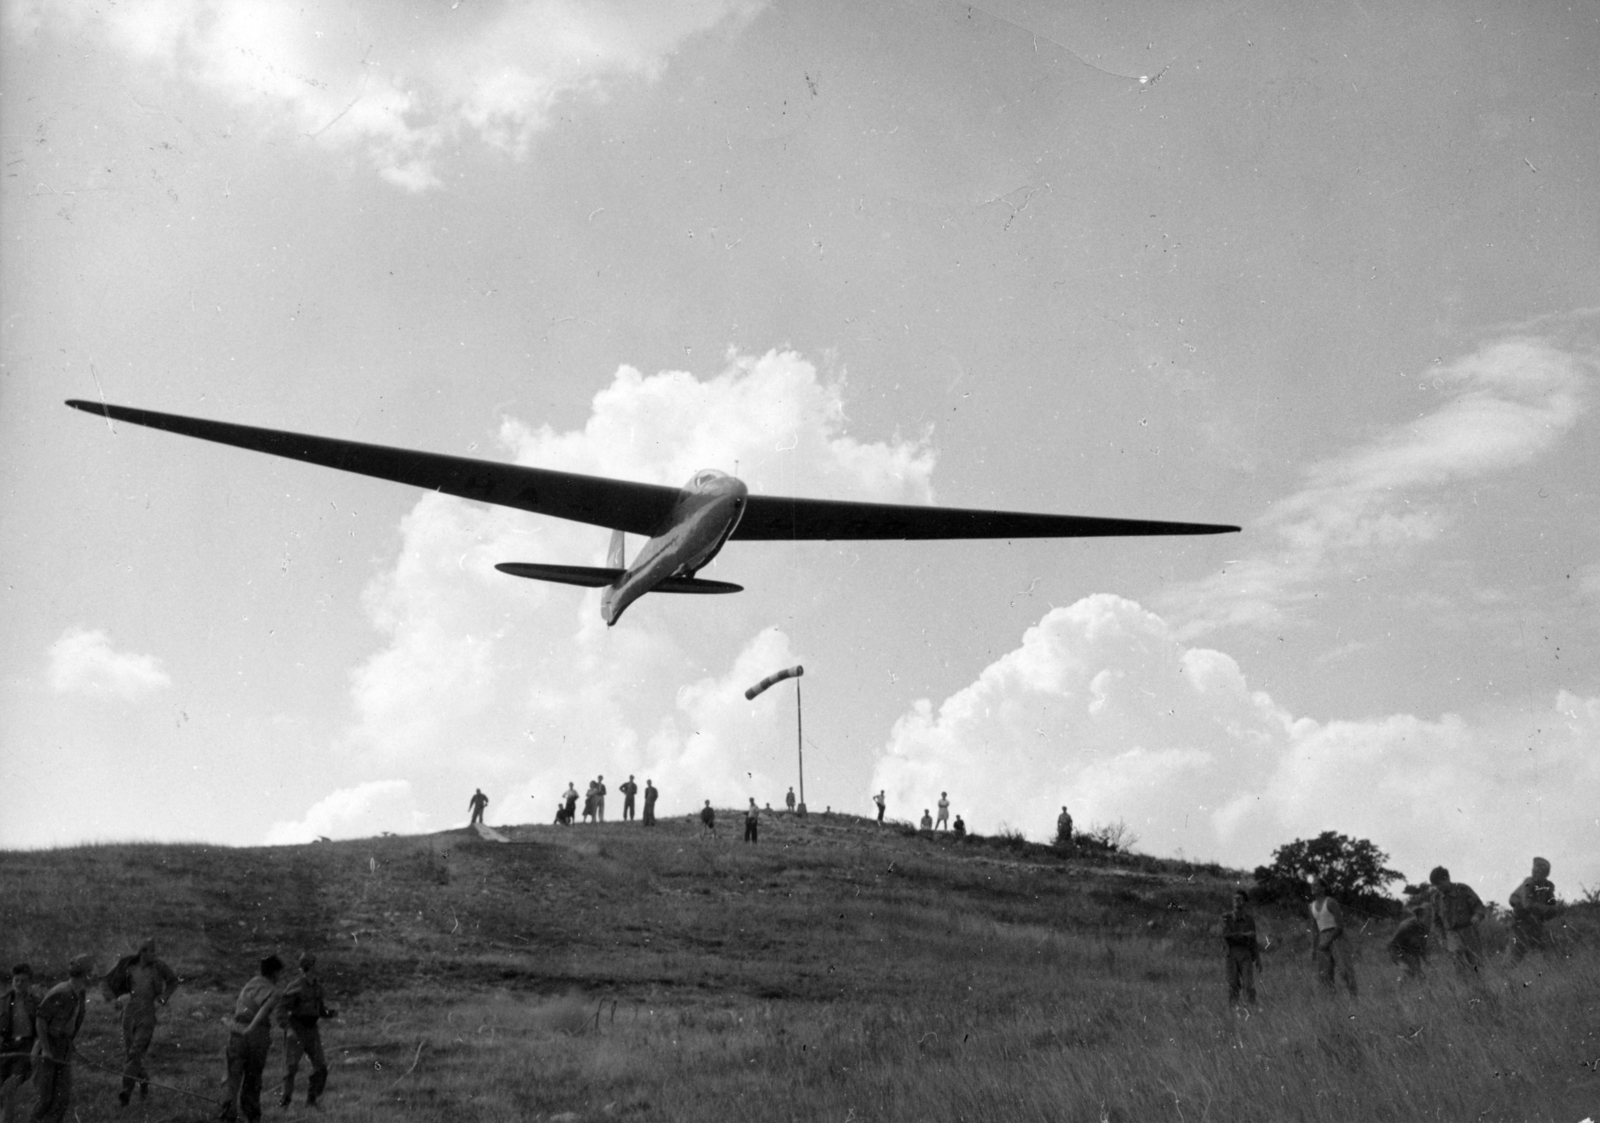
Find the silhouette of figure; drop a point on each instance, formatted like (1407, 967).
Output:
(477, 803)
(959, 828)
(628, 790)
(788, 800)
(1532, 903)
(143, 982)
(927, 820)
(299, 1012)
(1408, 947)
(650, 795)
(943, 822)
(1241, 948)
(572, 802)
(1456, 912)
(708, 820)
(879, 800)
(752, 820)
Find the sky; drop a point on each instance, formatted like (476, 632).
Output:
(1329, 272)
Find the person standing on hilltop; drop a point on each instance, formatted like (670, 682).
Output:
(752, 821)
(943, 821)
(139, 982)
(299, 1012)
(1532, 903)
(56, 1025)
(588, 803)
(1330, 950)
(708, 820)
(18, 1008)
(600, 799)
(1064, 828)
(1457, 911)
(1242, 949)
(628, 790)
(476, 804)
(650, 796)
(250, 1040)
(882, 804)
(788, 800)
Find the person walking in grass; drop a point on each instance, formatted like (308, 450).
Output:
(879, 800)
(1330, 948)
(1532, 903)
(56, 1024)
(752, 821)
(139, 982)
(300, 1013)
(250, 1040)
(708, 820)
(943, 822)
(1408, 947)
(628, 790)
(1457, 910)
(1241, 949)
(650, 797)
(476, 804)
(18, 1008)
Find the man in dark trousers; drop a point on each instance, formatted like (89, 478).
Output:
(628, 790)
(708, 820)
(18, 1008)
(299, 1012)
(139, 982)
(56, 1024)
(250, 1040)
(1242, 949)
(879, 800)
(477, 803)
(752, 820)
(1457, 911)
(650, 795)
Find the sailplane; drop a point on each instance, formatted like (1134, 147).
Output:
(686, 527)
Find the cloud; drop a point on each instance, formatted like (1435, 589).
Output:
(357, 812)
(398, 81)
(82, 661)
(1509, 402)
(1103, 707)
(521, 682)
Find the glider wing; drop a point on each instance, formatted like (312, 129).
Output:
(775, 518)
(637, 508)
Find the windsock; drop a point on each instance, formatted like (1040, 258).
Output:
(776, 677)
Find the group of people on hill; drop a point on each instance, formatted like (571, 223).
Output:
(37, 1035)
(594, 802)
(927, 822)
(1449, 910)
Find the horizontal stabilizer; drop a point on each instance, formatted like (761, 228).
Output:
(590, 577)
(596, 577)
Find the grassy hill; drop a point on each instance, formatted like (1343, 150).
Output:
(836, 970)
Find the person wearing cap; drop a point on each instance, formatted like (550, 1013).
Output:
(250, 1040)
(1457, 910)
(18, 1007)
(140, 982)
(299, 1012)
(56, 1024)
(1532, 903)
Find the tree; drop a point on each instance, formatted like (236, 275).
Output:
(1355, 871)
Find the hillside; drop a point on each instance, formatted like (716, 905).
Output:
(833, 969)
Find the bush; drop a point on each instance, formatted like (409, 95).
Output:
(1353, 868)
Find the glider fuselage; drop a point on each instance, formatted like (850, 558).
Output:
(707, 512)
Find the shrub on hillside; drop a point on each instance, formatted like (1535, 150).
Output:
(1353, 868)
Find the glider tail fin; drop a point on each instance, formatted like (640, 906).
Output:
(616, 556)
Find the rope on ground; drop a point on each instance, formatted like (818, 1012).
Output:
(154, 1084)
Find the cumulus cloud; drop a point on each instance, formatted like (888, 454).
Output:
(82, 661)
(355, 812)
(1105, 708)
(522, 683)
(1509, 401)
(397, 81)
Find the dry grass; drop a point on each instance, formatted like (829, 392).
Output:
(835, 971)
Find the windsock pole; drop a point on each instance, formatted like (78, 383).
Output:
(799, 725)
